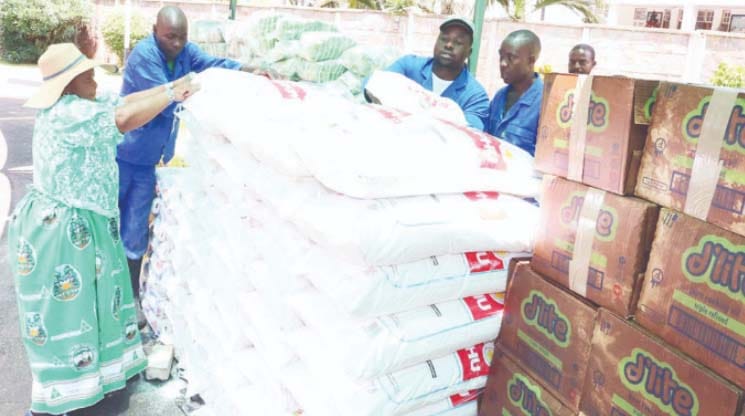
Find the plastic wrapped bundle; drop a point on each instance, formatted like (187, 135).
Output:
(207, 31)
(323, 71)
(283, 51)
(215, 49)
(351, 82)
(363, 60)
(290, 68)
(291, 27)
(322, 46)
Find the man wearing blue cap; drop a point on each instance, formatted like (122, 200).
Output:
(446, 74)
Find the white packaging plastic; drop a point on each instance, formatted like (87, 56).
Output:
(397, 91)
(380, 290)
(461, 404)
(372, 348)
(359, 150)
(396, 393)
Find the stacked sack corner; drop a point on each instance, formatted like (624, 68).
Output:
(627, 308)
(335, 258)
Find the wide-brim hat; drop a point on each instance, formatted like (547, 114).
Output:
(458, 21)
(59, 65)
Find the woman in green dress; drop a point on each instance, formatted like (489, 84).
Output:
(75, 300)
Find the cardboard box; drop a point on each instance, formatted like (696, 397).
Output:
(633, 373)
(511, 391)
(615, 134)
(677, 136)
(621, 233)
(694, 292)
(548, 331)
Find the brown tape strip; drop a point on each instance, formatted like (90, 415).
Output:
(579, 266)
(578, 129)
(706, 164)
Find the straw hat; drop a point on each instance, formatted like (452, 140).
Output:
(59, 64)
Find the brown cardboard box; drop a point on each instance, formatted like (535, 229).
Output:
(633, 373)
(548, 330)
(693, 295)
(674, 135)
(621, 239)
(511, 391)
(615, 131)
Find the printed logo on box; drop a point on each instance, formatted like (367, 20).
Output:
(526, 396)
(657, 382)
(719, 264)
(484, 261)
(542, 313)
(484, 306)
(734, 136)
(598, 112)
(606, 224)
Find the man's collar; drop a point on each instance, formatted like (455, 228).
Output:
(531, 94)
(458, 83)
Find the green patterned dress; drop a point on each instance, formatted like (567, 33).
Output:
(74, 295)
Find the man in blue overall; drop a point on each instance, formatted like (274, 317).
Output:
(515, 109)
(165, 56)
(446, 74)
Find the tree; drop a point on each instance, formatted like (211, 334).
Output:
(516, 9)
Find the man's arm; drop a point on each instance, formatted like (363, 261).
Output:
(143, 75)
(476, 109)
(201, 60)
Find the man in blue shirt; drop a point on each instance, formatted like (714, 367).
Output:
(515, 109)
(164, 57)
(446, 74)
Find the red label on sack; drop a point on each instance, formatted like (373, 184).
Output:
(462, 398)
(391, 114)
(483, 306)
(289, 91)
(475, 360)
(475, 196)
(491, 152)
(484, 261)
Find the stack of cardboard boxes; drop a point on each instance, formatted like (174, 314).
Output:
(626, 308)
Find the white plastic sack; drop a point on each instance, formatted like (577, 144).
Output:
(371, 348)
(461, 404)
(381, 290)
(377, 152)
(396, 230)
(397, 393)
(359, 150)
(397, 91)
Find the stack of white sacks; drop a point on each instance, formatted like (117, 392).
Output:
(335, 258)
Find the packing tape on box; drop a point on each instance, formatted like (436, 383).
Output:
(706, 164)
(578, 129)
(579, 266)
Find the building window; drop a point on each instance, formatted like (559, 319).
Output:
(704, 19)
(724, 24)
(640, 17)
(654, 20)
(666, 19)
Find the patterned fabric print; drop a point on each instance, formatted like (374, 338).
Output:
(74, 150)
(76, 307)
